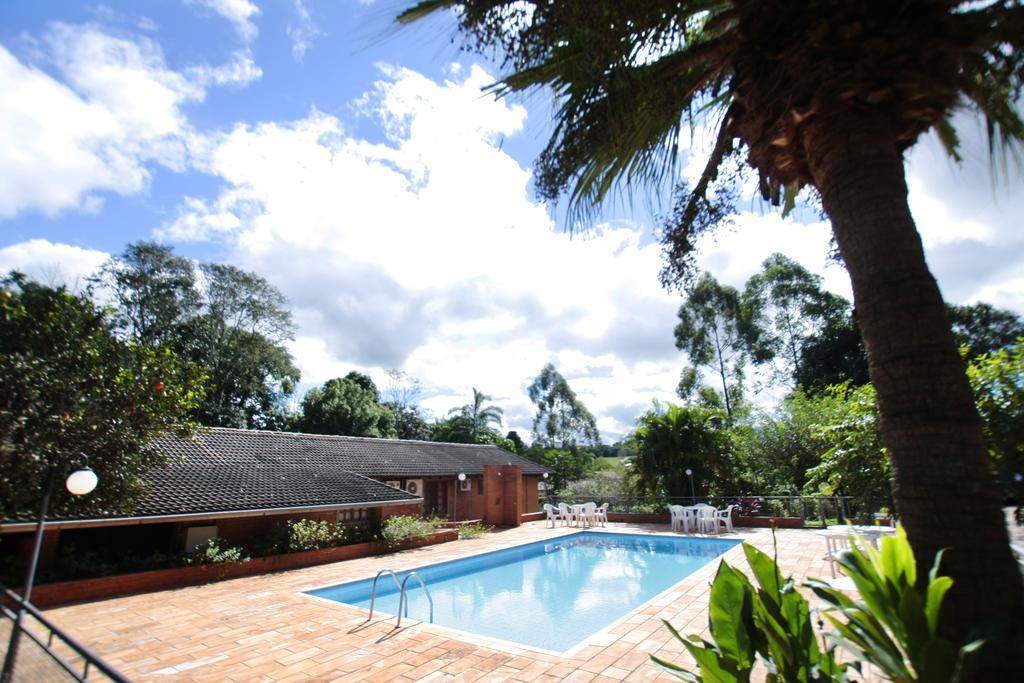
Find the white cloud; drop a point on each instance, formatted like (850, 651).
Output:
(240, 71)
(52, 264)
(239, 12)
(112, 108)
(426, 252)
(303, 32)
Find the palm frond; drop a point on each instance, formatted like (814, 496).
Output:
(422, 9)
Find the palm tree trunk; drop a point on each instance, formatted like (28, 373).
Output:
(942, 485)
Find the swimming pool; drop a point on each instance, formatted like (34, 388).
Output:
(550, 595)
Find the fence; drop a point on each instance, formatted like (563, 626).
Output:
(813, 511)
(45, 653)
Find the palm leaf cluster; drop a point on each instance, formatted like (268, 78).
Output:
(628, 76)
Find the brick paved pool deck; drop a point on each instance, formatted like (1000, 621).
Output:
(263, 628)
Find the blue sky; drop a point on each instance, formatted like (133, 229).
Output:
(359, 168)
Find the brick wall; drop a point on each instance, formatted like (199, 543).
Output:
(402, 509)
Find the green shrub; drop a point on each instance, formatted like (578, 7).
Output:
(473, 530)
(403, 527)
(894, 624)
(309, 534)
(215, 551)
(771, 623)
(891, 626)
(362, 533)
(273, 542)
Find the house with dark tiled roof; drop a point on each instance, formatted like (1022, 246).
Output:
(236, 484)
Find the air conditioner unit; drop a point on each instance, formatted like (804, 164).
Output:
(414, 486)
(465, 485)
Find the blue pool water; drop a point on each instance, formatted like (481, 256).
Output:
(550, 594)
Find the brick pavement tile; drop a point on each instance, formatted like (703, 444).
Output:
(299, 656)
(616, 673)
(533, 671)
(562, 670)
(597, 663)
(426, 668)
(390, 673)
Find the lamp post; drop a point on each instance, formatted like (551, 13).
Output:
(80, 482)
(461, 478)
(693, 496)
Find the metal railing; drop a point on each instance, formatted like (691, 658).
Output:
(58, 652)
(814, 511)
(403, 598)
(373, 589)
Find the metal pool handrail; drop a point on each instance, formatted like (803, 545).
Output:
(402, 601)
(373, 591)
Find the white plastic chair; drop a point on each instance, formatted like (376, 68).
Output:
(566, 514)
(601, 514)
(676, 514)
(689, 518)
(707, 519)
(552, 513)
(725, 517)
(835, 542)
(589, 514)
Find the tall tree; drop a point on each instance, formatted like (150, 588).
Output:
(153, 289)
(835, 355)
(670, 439)
(998, 382)
(715, 332)
(239, 336)
(409, 422)
(788, 309)
(983, 328)
(232, 322)
(518, 445)
(476, 419)
(562, 421)
(69, 386)
(403, 389)
(828, 95)
(347, 406)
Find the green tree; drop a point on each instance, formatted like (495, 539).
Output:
(856, 463)
(715, 331)
(239, 335)
(835, 355)
(518, 445)
(69, 386)
(827, 95)
(983, 328)
(409, 422)
(475, 419)
(153, 290)
(232, 322)
(778, 447)
(667, 440)
(562, 421)
(567, 465)
(998, 382)
(788, 309)
(347, 406)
